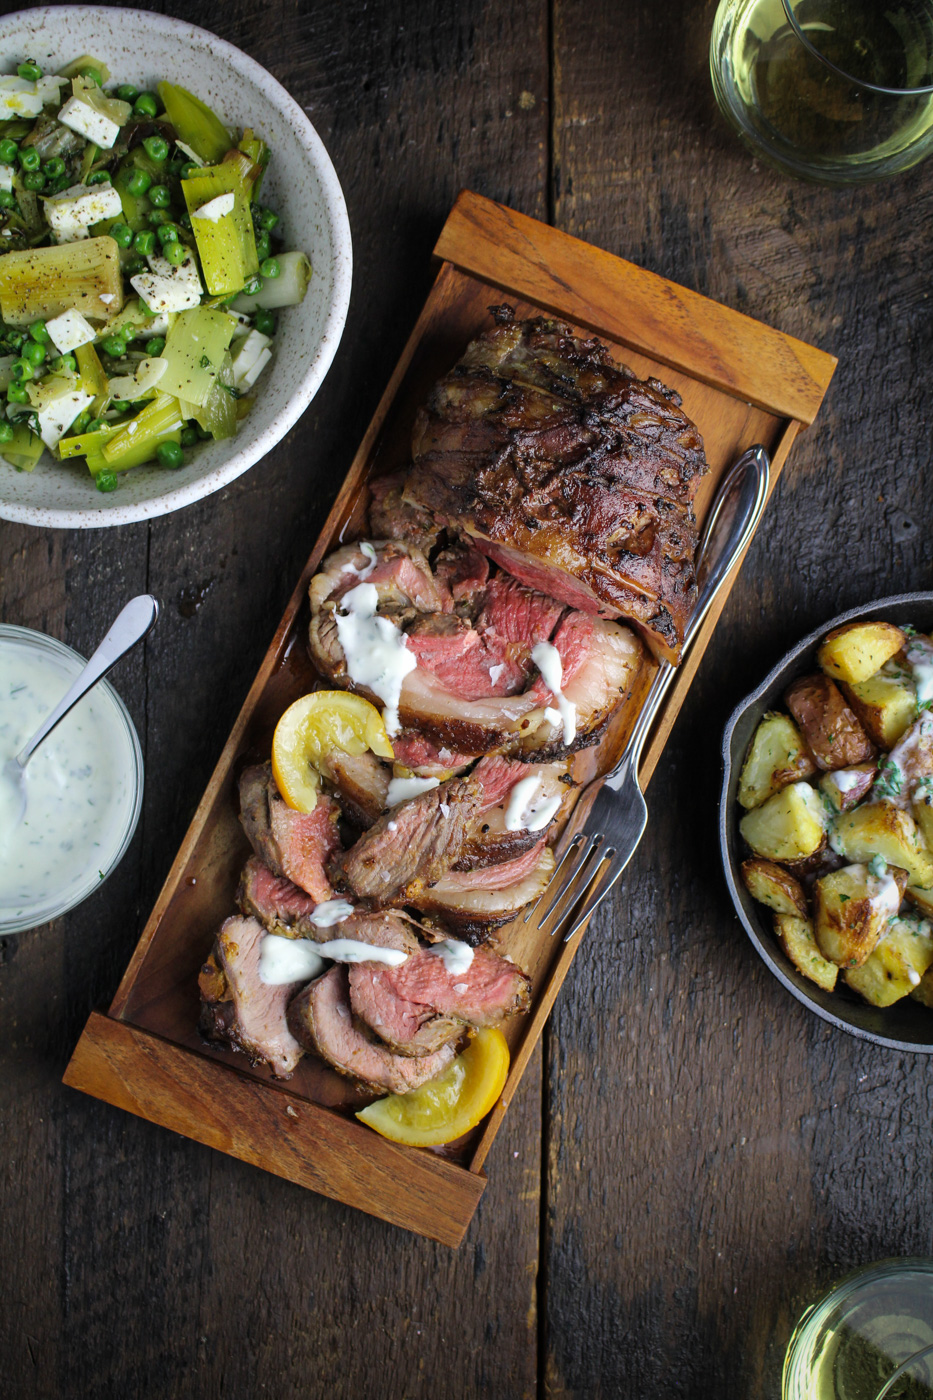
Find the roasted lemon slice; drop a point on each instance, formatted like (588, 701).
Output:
(313, 727)
(450, 1105)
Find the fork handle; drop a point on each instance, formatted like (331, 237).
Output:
(733, 515)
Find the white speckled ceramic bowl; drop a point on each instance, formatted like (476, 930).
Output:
(301, 186)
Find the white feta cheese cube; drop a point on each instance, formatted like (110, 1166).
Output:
(57, 417)
(94, 126)
(184, 275)
(215, 208)
(68, 331)
(160, 294)
(71, 213)
(6, 177)
(18, 98)
(252, 352)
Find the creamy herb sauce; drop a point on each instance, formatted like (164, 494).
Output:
(456, 956)
(376, 652)
(401, 789)
(303, 960)
(547, 659)
(522, 814)
(78, 784)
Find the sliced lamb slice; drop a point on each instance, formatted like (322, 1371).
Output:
(280, 906)
(321, 1020)
(362, 785)
(239, 1009)
(294, 844)
(382, 929)
(473, 912)
(472, 664)
(489, 841)
(425, 759)
(411, 846)
(391, 518)
(400, 574)
(420, 1005)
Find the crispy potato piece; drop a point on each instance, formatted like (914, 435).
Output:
(832, 732)
(789, 826)
(846, 787)
(886, 705)
(796, 938)
(923, 992)
(922, 808)
(897, 965)
(777, 756)
(775, 887)
(851, 909)
(859, 649)
(880, 828)
(921, 899)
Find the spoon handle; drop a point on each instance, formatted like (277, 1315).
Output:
(132, 624)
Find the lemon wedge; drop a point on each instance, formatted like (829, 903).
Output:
(449, 1105)
(313, 727)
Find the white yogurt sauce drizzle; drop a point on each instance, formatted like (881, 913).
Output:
(455, 956)
(920, 659)
(362, 574)
(522, 814)
(547, 659)
(401, 789)
(883, 894)
(300, 959)
(332, 911)
(77, 785)
(844, 780)
(376, 652)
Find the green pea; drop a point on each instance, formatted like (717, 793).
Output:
(6, 430)
(39, 332)
(8, 151)
(168, 233)
(34, 180)
(203, 433)
(185, 221)
(113, 346)
(22, 369)
(93, 75)
(61, 182)
(122, 235)
(6, 199)
(79, 426)
(120, 405)
(156, 345)
(269, 268)
(30, 158)
(144, 242)
(65, 364)
(156, 147)
(146, 105)
(189, 168)
(106, 480)
(138, 183)
(253, 286)
(16, 393)
(98, 177)
(158, 217)
(175, 253)
(264, 321)
(30, 71)
(54, 167)
(94, 425)
(170, 455)
(134, 266)
(268, 220)
(126, 92)
(263, 246)
(34, 353)
(160, 196)
(188, 437)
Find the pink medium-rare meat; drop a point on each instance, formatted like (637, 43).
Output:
(426, 759)
(400, 575)
(321, 1020)
(474, 913)
(464, 570)
(294, 844)
(467, 662)
(568, 471)
(489, 840)
(280, 906)
(411, 846)
(238, 1008)
(420, 1005)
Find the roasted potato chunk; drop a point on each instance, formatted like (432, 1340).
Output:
(886, 705)
(851, 909)
(897, 965)
(846, 787)
(777, 756)
(856, 651)
(832, 732)
(796, 938)
(921, 899)
(775, 887)
(923, 992)
(881, 829)
(789, 826)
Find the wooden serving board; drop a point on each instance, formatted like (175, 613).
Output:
(742, 383)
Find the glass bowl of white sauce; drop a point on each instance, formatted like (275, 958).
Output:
(83, 785)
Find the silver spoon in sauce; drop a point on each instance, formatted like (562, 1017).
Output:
(131, 625)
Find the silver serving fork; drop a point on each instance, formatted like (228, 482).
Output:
(597, 854)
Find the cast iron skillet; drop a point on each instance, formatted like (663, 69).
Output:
(904, 1026)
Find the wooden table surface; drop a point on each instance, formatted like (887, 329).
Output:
(693, 1156)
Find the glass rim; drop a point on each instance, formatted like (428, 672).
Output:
(858, 82)
(39, 915)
